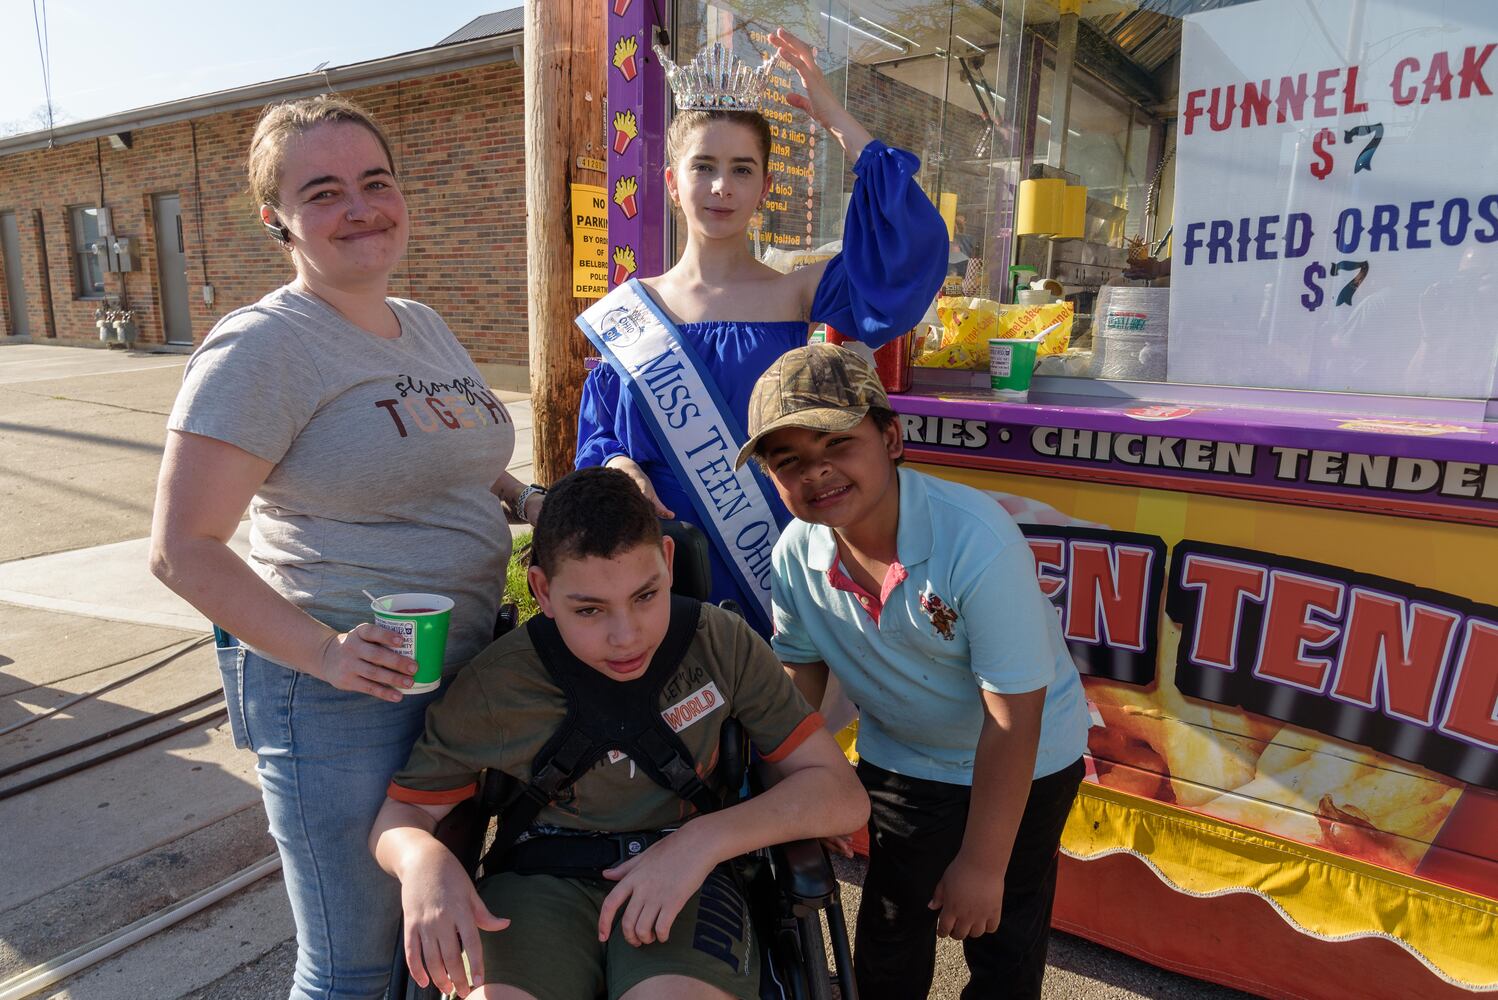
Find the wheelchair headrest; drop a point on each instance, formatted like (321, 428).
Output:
(692, 574)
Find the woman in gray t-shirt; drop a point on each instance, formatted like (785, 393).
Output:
(371, 455)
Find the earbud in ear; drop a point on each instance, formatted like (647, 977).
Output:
(278, 230)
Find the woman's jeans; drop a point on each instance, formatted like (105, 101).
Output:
(326, 757)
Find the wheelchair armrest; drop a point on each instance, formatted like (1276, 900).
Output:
(462, 832)
(464, 829)
(804, 874)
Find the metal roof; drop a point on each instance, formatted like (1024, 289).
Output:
(500, 22)
(1150, 33)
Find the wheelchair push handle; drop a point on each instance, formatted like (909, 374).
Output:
(691, 572)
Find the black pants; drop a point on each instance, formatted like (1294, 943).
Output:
(915, 831)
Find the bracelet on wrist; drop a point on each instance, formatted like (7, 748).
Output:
(518, 507)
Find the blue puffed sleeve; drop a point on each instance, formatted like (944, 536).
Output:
(894, 255)
(597, 439)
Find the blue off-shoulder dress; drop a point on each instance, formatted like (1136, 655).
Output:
(892, 264)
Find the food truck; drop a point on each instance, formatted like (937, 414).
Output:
(1254, 247)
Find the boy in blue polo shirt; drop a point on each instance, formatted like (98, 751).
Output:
(920, 596)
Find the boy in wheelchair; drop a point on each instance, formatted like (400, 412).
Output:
(619, 884)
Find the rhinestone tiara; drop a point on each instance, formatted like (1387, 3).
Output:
(717, 80)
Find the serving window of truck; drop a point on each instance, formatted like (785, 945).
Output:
(1241, 262)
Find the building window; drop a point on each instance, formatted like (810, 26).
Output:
(88, 273)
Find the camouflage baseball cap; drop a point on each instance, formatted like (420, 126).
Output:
(821, 387)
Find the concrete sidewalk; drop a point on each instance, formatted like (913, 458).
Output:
(110, 582)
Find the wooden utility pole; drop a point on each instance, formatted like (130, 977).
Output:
(564, 107)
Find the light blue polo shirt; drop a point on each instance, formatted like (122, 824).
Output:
(915, 673)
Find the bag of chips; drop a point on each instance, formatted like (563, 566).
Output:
(966, 324)
(969, 323)
(1025, 322)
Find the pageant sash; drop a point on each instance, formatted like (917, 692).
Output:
(693, 426)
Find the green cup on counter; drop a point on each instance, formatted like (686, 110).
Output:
(1011, 365)
(421, 621)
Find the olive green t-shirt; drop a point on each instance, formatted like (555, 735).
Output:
(503, 707)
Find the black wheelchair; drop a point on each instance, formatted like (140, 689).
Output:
(794, 900)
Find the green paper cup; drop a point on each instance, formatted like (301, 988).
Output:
(1011, 365)
(421, 622)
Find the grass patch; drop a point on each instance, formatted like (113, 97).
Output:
(517, 590)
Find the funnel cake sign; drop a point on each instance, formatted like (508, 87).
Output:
(1336, 220)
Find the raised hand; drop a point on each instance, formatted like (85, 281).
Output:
(819, 101)
(632, 469)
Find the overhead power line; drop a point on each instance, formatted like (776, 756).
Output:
(44, 53)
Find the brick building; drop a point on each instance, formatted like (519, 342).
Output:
(454, 115)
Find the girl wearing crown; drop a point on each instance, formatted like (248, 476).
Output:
(683, 349)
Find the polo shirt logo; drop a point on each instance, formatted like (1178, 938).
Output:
(942, 617)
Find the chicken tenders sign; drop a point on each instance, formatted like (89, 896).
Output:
(1400, 669)
(1106, 587)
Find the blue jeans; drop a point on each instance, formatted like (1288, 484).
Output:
(326, 757)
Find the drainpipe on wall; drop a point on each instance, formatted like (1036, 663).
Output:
(41, 243)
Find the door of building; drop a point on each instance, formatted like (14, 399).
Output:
(171, 267)
(17, 324)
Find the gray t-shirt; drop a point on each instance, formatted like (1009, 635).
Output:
(384, 451)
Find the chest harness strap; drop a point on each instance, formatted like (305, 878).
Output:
(602, 715)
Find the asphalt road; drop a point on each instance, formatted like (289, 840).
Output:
(82, 431)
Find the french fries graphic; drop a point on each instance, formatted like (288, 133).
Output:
(1255, 772)
(626, 127)
(625, 189)
(624, 264)
(625, 50)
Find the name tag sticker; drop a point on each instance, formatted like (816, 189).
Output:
(693, 708)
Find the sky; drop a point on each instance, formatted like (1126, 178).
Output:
(109, 57)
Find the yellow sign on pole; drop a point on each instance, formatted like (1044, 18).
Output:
(590, 241)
